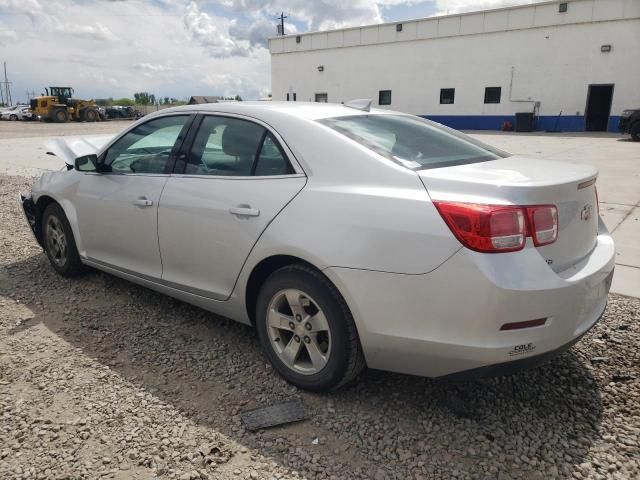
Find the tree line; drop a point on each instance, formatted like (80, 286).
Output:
(146, 98)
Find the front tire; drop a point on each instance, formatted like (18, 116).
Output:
(306, 329)
(635, 131)
(59, 243)
(90, 115)
(60, 115)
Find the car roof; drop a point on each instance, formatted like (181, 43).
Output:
(308, 110)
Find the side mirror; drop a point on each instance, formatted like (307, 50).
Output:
(87, 163)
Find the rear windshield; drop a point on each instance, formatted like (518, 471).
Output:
(413, 142)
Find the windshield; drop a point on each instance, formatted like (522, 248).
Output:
(413, 142)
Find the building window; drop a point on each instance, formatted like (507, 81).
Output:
(298, 38)
(492, 94)
(295, 98)
(398, 27)
(384, 97)
(447, 95)
(322, 97)
(562, 8)
(287, 97)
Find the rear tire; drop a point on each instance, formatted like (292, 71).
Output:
(317, 348)
(13, 117)
(59, 244)
(60, 115)
(635, 131)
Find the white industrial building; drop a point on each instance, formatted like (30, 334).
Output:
(573, 64)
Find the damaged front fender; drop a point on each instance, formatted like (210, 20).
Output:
(30, 214)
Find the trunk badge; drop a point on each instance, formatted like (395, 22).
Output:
(587, 212)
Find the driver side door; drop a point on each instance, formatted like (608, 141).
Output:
(118, 207)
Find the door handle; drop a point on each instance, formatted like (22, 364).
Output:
(244, 211)
(143, 202)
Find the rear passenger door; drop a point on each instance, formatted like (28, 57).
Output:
(235, 180)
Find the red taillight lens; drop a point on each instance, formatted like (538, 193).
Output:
(543, 220)
(485, 228)
(500, 228)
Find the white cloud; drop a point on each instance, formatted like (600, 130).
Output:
(257, 29)
(213, 33)
(317, 14)
(91, 32)
(460, 6)
(31, 8)
(6, 35)
(151, 66)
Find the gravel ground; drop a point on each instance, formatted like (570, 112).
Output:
(100, 378)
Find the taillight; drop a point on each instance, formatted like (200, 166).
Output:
(485, 228)
(500, 228)
(543, 223)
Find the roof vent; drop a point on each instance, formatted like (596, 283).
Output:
(363, 104)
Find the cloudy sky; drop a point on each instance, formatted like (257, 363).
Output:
(178, 48)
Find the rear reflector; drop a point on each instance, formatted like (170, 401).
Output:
(527, 324)
(499, 228)
(586, 184)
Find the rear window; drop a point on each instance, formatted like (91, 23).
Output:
(413, 142)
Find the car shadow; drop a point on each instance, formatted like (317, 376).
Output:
(211, 368)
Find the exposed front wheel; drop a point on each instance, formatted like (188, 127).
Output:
(635, 131)
(306, 329)
(59, 243)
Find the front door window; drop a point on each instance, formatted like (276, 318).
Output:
(147, 148)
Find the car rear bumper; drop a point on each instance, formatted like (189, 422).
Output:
(449, 320)
(515, 366)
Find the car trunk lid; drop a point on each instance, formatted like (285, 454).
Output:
(523, 181)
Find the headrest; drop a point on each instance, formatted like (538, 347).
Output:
(241, 139)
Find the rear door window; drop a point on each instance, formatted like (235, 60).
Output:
(227, 146)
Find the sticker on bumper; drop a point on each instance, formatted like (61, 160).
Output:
(523, 349)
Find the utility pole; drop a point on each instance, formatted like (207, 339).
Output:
(282, 16)
(30, 95)
(7, 85)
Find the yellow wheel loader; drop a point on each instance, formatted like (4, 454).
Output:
(59, 106)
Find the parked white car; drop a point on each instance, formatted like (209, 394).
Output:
(347, 236)
(19, 112)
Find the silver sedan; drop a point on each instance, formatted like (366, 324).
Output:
(349, 237)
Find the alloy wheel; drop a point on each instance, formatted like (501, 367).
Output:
(299, 331)
(56, 240)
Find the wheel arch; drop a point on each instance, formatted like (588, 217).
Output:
(43, 202)
(261, 272)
